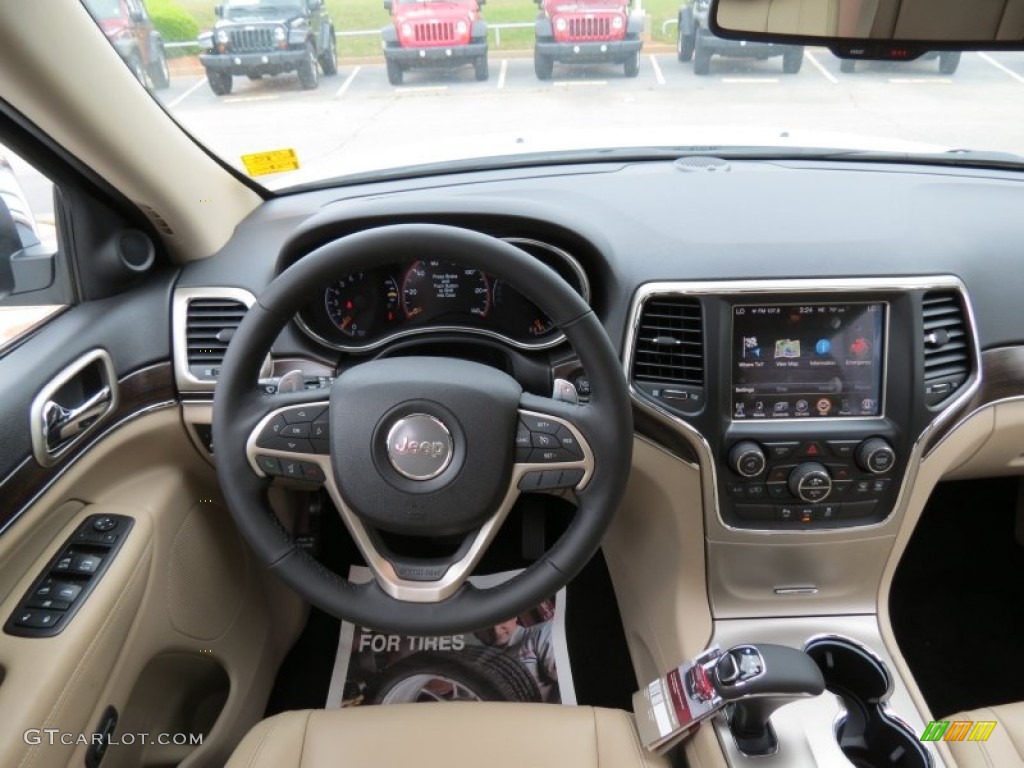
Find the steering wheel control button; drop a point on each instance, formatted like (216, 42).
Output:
(271, 431)
(544, 440)
(419, 446)
(747, 459)
(268, 464)
(810, 482)
(289, 444)
(550, 479)
(569, 442)
(295, 430)
(550, 456)
(876, 456)
(304, 414)
(319, 430)
(540, 424)
(104, 524)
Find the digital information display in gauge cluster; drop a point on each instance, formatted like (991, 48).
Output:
(807, 361)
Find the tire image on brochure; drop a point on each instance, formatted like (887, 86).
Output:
(258, 38)
(434, 34)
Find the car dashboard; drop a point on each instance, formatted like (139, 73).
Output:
(809, 347)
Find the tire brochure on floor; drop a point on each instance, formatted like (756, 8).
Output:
(522, 659)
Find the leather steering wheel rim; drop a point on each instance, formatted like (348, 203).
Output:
(605, 422)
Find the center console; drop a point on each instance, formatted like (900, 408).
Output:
(809, 396)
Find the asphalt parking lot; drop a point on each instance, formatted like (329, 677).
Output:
(357, 121)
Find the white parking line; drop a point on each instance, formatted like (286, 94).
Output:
(821, 68)
(422, 89)
(503, 73)
(577, 83)
(348, 81)
(240, 99)
(921, 80)
(750, 79)
(186, 94)
(658, 74)
(1000, 67)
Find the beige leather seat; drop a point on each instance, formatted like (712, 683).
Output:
(451, 735)
(1004, 748)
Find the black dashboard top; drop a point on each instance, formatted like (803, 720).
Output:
(633, 223)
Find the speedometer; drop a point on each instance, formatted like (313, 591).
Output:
(356, 303)
(433, 289)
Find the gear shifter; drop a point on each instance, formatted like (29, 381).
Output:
(754, 681)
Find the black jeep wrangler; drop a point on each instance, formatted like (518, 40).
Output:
(269, 37)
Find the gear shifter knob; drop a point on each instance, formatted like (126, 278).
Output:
(754, 681)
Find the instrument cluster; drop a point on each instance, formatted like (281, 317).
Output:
(367, 309)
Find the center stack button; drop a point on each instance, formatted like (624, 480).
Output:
(810, 482)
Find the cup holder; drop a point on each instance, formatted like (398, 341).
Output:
(869, 736)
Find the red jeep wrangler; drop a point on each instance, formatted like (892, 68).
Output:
(585, 31)
(434, 33)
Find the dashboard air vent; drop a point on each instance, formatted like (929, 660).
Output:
(209, 325)
(946, 347)
(668, 361)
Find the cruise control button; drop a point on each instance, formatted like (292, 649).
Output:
(546, 456)
(544, 440)
(305, 413)
(569, 442)
(524, 438)
(271, 431)
(295, 430)
(540, 424)
(290, 444)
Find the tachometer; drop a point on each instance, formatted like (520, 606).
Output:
(432, 288)
(356, 303)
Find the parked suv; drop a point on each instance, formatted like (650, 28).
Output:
(269, 37)
(697, 42)
(130, 30)
(587, 31)
(434, 33)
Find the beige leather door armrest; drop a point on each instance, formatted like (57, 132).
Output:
(53, 682)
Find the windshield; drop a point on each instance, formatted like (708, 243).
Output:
(357, 87)
(104, 10)
(261, 9)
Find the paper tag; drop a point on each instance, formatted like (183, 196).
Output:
(274, 161)
(672, 706)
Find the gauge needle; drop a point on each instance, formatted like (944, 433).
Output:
(346, 323)
(415, 312)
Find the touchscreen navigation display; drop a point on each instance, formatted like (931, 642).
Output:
(807, 361)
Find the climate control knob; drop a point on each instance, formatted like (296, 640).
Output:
(747, 459)
(876, 456)
(810, 482)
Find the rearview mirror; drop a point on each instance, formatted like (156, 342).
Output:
(884, 29)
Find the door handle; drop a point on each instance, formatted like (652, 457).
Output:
(62, 423)
(72, 405)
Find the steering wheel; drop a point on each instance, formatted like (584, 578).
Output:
(422, 446)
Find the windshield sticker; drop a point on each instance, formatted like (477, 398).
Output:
(275, 161)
